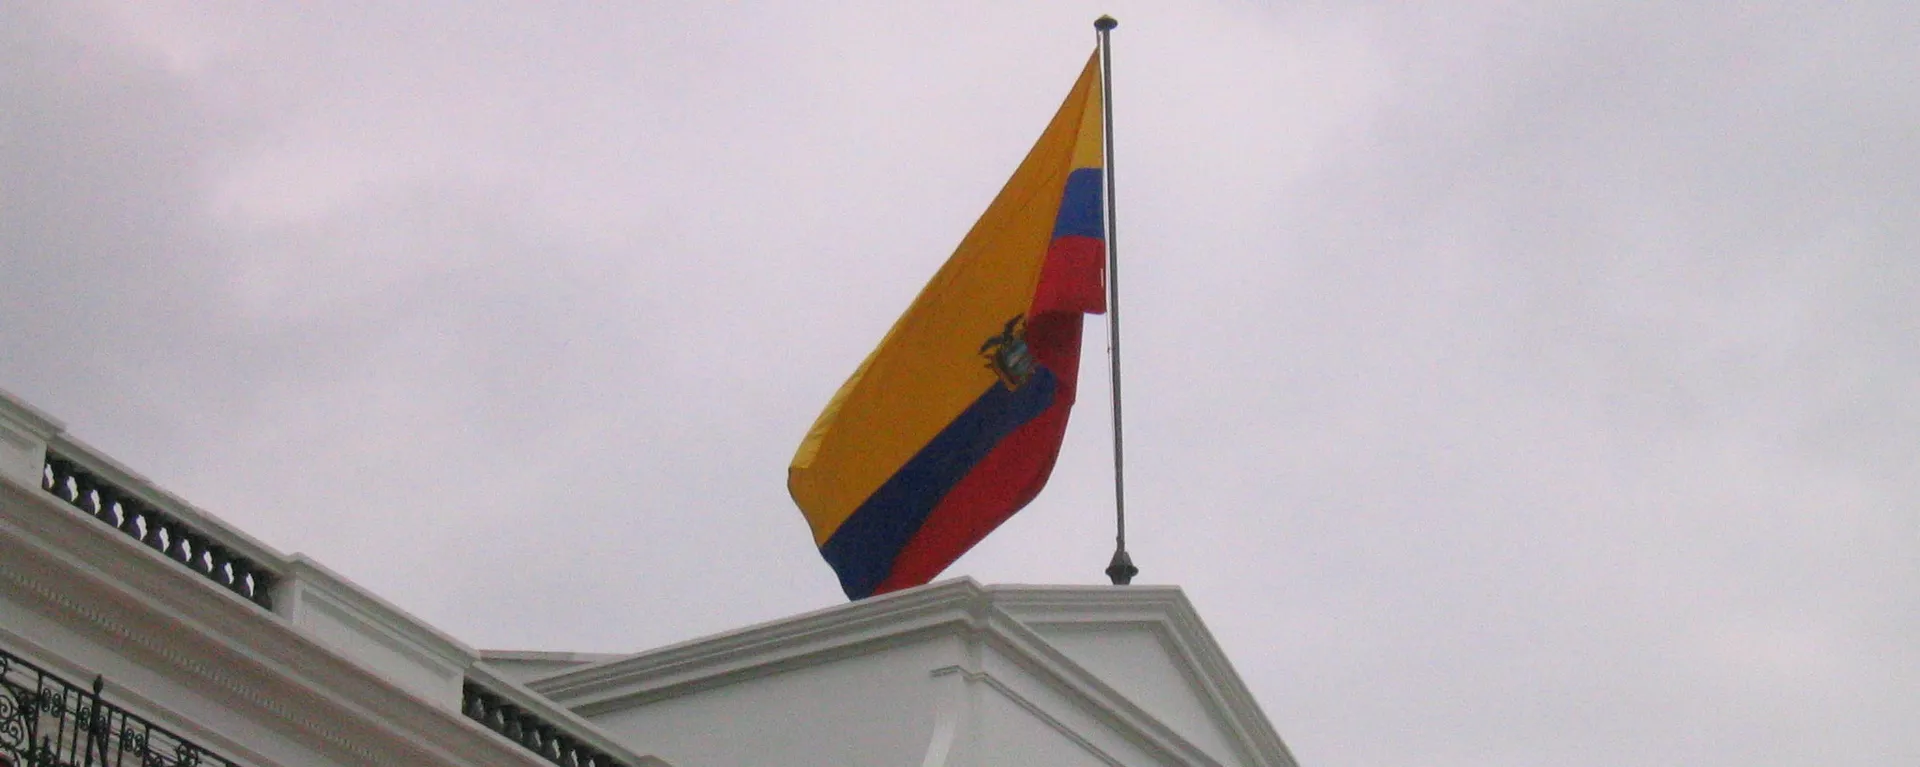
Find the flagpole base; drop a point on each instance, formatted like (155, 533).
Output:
(1121, 569)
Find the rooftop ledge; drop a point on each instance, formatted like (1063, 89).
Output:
(323, 606)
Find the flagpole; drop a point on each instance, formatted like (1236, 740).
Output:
(1120, 570)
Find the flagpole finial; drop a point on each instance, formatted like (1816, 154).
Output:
(1105, 23)
(1121, 569)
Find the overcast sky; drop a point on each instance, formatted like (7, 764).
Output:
(1507, 384)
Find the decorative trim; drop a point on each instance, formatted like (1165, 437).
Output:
(120, 506)
(220, 677)
(114, 587)
(84, 725)
(118, 475)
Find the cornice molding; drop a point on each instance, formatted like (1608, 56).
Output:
(997, 616)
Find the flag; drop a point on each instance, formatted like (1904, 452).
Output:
(953, 423)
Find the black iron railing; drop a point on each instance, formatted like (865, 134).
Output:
(47, 721)
(201, 553)
(530, 731)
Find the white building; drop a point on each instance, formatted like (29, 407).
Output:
(138, 630)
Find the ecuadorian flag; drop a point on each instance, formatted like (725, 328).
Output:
(953, 423)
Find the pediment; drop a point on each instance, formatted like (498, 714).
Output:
(1148, 645)
(1135, 663)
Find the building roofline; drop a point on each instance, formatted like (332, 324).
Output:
(96, 581)
(548, 656)
(996, 615)
(13, 408)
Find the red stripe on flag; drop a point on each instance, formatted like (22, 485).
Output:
(1006, 479)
